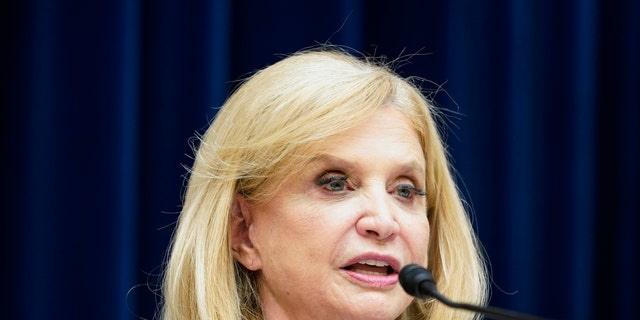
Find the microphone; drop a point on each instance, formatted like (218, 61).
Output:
(418, 282)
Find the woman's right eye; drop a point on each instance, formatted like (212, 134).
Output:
(337, 185)
(333, 183)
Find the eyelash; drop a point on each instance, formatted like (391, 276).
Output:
(416, 192)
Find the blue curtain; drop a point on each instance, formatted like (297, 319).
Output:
(100, 99)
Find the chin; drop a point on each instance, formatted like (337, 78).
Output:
(379, 308)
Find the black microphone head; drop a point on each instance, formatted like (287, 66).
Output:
(414, 279)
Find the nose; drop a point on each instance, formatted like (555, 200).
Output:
(378, 220)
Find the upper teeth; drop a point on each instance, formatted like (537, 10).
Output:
(375, 263)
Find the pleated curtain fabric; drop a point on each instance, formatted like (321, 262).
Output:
(541, 105)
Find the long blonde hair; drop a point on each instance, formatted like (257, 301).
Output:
(265, 131)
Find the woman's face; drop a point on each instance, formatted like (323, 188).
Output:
(330, 243)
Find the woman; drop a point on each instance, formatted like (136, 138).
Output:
(321, 176)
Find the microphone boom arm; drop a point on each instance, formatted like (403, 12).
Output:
(497, 313)
(418, 282)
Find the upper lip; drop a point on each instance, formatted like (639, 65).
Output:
(374, 258)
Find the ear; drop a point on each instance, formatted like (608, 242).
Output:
(241, 244)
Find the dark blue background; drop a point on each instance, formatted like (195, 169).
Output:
(99, 99)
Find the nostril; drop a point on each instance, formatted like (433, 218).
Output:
(377, 227)
(381, 234)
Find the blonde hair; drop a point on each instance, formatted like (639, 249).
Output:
(266, 131)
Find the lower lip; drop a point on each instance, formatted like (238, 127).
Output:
(374, 280)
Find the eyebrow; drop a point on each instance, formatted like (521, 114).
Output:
(411, 165)
(333, 161)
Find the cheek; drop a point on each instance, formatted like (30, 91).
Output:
(303, 230)
(417, 236)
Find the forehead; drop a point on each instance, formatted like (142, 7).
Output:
(386, 136)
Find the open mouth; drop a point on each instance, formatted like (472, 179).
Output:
(372, 267)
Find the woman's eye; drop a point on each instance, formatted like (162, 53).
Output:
(337, 185)
(408, 191)
(333, 183)
(404, 192)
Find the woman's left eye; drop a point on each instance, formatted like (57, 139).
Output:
(408, 191)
